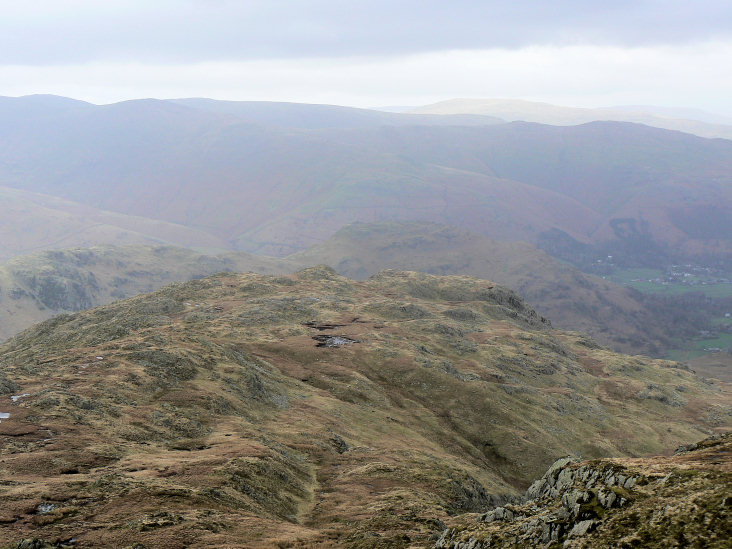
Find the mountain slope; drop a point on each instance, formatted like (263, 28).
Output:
(634, 185)
(571, 299)
(311, 411)
(36, 287)
(32, 221)
(261, 189)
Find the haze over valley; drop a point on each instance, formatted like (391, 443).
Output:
(276, 190)
(243, 305)
(102, 203)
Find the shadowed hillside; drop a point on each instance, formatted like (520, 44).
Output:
(312, 411)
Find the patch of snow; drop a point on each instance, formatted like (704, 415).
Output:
(333, 341)
(100, 358)
(4, 415)
(16, 398)
(45, 508)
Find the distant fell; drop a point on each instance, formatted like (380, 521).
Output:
(40, 107)
(627, 190)
(315, 116)
(678, 112)
(699, 123)
(31, 222)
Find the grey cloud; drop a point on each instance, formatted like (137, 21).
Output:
(223, 30)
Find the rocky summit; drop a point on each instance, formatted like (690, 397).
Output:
(311, 410)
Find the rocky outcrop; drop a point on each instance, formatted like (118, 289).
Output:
(583, 494)
(589, 505)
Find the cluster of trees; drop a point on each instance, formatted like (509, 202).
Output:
(684, 316)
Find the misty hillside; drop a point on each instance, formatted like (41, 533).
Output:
(30, 222)
(276, 190)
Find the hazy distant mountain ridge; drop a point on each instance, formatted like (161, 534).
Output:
(310, 116)
(278, 190)
(699, 123)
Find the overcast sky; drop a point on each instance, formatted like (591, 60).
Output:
(583, 53)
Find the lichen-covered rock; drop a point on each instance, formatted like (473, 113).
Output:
(7, 385)
(547, 485)
(581, 528)
(499, 513)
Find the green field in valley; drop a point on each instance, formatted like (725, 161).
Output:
(660, 283)
(695, 349)
(653, 281)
